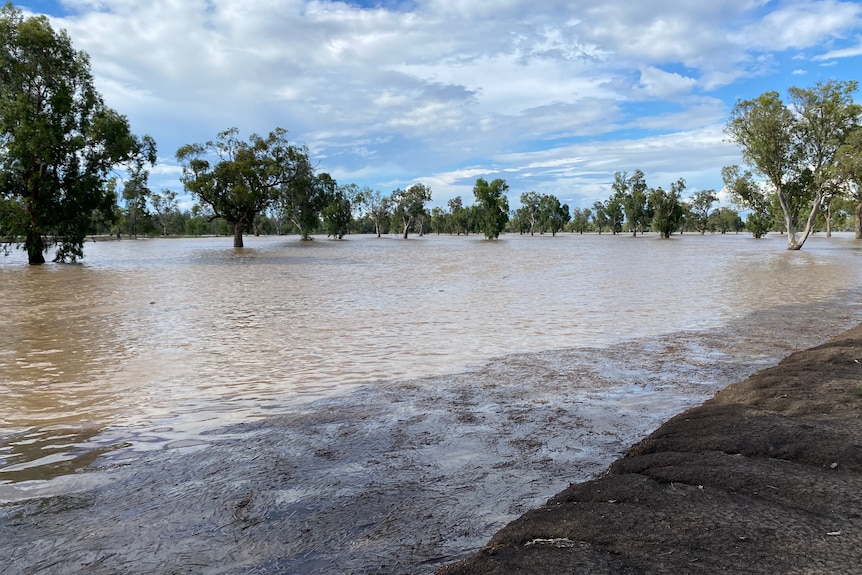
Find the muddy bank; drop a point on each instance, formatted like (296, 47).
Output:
(766, 477)
(397, 477)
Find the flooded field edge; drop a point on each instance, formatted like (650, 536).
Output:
(398, 476)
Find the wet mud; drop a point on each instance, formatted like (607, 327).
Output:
(394, 477)
(766, 477)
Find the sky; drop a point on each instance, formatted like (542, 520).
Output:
(552, 96)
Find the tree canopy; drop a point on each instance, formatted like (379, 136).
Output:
(795, 146)
(59, 142)
(409, 205)
(245, 179)
(493, 206)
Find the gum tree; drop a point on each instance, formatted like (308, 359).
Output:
(492, 206)
(746, 194)
(666, 208)
(303, 198)
(409, 205)
(700, 205)
(795, 146)
(59, 142)
(238, 180)
(552, 214)
(850, 168)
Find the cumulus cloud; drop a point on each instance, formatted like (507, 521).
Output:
(555, 96)
(660, 84)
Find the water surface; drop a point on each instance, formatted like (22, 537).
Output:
(152, 343)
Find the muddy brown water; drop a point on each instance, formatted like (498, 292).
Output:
(446, 384)
(151, 342)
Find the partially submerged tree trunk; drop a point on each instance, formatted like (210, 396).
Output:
(35, 247)
(237, 235)
(857, 221)
(794, 243)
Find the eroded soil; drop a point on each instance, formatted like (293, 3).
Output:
(766, 477)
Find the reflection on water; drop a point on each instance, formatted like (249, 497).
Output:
(153, 343)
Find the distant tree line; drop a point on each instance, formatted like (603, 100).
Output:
(61, 148)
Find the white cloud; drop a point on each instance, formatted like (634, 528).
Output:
(660, 84)
(555, 95)
(801, 25)
(849, 52)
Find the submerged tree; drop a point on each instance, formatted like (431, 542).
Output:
(59, 142)
(600, 216)
(529, 211)
(850, 171)
(302, 199)
(796, 147)
(408, 205)
(165, 207)
(700, 205)
(244, 180)
(747, 195)
(492, 206)
(666, 208)
(338, 212)
(636, 203)
(552, 214)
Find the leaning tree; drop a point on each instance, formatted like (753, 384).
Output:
(795, 147)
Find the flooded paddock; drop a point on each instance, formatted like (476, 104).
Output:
(158, 343)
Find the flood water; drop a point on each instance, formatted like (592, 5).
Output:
(155, 343)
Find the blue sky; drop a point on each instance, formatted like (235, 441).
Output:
(554, 96)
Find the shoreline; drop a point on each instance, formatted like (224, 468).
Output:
(397, 477)
(765, 477)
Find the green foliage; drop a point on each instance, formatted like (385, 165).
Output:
(581, 220)
(246, 178)
(600, 216)
(725, 219)
(614, 212)
(700, 207)
(758, 224)
(302, 199)
(850, 174)
(338, 213)
(59, 140)
(462, 217)
(492, 209)
(666, 208)
(554, 216)
(164, 206)
(746, 194)
(375, 207)
(632, 193)
(797, 147)
(528, 214)
(409, 206)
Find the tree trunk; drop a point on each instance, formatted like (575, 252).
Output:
(793, 242)
(857, 221)
(35, 247)
(237, 235)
